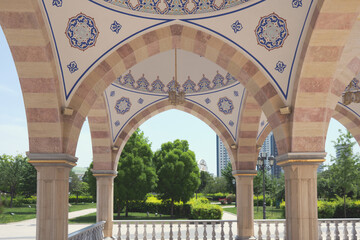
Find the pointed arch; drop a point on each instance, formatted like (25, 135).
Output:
(349, 119)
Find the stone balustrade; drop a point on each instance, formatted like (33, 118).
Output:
(93, 232)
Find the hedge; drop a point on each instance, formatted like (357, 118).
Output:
(20, 200)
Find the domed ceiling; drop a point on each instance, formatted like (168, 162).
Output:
(204, 83)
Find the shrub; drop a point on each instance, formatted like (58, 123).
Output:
(267, 198)
(202, 210)
(230, 198)
(216, 196)
(86, 199)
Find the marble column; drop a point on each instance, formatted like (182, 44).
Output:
(105, 199)
(52, 205)
(245, 203)
(301, 194)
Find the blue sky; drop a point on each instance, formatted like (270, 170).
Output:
(166, 126)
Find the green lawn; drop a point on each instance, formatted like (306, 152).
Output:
(91, 218)
(271, 212)
(25, 212)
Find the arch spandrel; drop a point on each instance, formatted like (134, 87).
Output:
(349, 117)
(320, 86)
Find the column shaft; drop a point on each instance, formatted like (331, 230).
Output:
(301, 201)
(105, 201)
(245, 206)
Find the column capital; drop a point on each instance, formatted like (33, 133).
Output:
(51, 159)
(104, 173)
(244, 173)
(300, 158)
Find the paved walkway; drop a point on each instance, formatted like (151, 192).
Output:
(26, 230)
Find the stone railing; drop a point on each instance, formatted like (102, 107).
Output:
(347, 229)
(93, 232)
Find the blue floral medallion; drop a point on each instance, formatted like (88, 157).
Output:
(271, 31)
(115, 27)
(296, 3)
(117, 123)
(280, 67)
(123, 105)
(236, 93)
(225, 105)
(112, 93)
(72, 66)
(57, 3)
(82, 32)
(231, 123)
(207, 100)
(140, 101)
(236, 26)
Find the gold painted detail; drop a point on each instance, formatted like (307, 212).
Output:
(104, 175)
(301, 161)
(53, 161)
(245, 174)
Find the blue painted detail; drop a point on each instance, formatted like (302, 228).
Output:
(171, 86)
(280, 67)
(236, 93)
(123, 105)
(189, 86)
(176, 7)
(204, 84)
(218, 81)
(117, 123)
(158, 86)
(115, 27)
(140, 101)
(231, 123)
(271, 31)
(207, 100)
(82, 32)
(296, 3)
(112, 93)
(262, 123)
(128, 80)
(143, 84)
(225, 105)
(72, 66)
(57, 3)
(236, 26)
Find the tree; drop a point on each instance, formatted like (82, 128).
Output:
(77, 187)
(11, 170)
(136, 172)
(205, 179)
(325, 188)
(177, 171)
(28, 182)
(91, 181)
(227, 173)
(344, 169)
(216, 185)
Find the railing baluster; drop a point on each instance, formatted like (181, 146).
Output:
(277, 231)
(196, 231)
(128, 231)
(268, 233)
(320, 232)
(119, 232)
(136, 231)
(346, 233)
(187, 231)
(328, 231)
(259, 231)
(337, 233)
(230, 231)
(179, 232)
(145, 233)
(205, 234)
(213, 231)
(153, 232)
(285, 231)
(171, 232)
(162, 232)
(222, 231)
(354, 235)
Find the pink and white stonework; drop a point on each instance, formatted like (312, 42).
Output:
(239, 63)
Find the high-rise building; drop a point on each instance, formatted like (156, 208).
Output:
(222, 156)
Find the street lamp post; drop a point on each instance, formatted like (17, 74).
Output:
(234, 183)
(264, 162)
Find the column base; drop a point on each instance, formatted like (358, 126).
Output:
(244, 238)
(109, 238)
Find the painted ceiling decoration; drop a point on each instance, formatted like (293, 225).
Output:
(175, 7)
(269, 33)
(189, 86)
(82, 32)
(351, 93)
(263, 123)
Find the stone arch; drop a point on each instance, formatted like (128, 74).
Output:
(188, 39)
(30, 46)
(163, 106)
(318, 88)
(262, 136)
(348, 119)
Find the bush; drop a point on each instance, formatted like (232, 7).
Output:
(201, 209)
(269, 201)
(85, 199)
(216, 196)
(326, 209)
(230, 198)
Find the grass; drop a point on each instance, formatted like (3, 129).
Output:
(271, 212)
(91, 218)
(25, 212)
